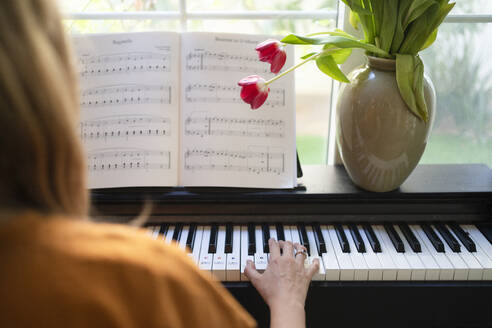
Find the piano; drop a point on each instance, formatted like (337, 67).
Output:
(417, 256)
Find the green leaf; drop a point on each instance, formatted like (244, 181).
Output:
(355, 6)
(400, 29)
(308, 55)
(417, 8)
(409, 76)
(430, 40)
(339, 55)
(388, 24)
(418, 88)
(327, 65)
(354, 20)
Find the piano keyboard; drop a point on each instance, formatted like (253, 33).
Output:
(347, 252)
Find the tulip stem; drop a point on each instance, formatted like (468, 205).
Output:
(292, 68)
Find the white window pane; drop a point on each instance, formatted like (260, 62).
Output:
(460, 67)
(472, 6)
(117, 5)
(203, 5)
(118, 26)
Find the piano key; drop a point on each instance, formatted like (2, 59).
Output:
(404, 271)
(372, 261)
(245, 247)
(261, 259)
(347, 271)
(296, 239)
(432, 269)
(479, 237)
(330, 262)
(206, 258)
(448, 238)
(280, 231)
(446, 269)
(463, 237)
(219, 259)
(319, 239)
(212, 245)
(360, 265)
(169, 234)
(486, 230)
(418, 268)
(183, 237)
(303, 238)
(388, 267)
(190, 240)
(342, 238)
(177, 231)
(228, 240)
(356, 237)
(320, 275)
(163, 229)
(273, 234)
(266, 236)
(371, 237)
(395, 239)
(433, 237)
(475, 269)
(197, 244)
(251, 239)
(410, 237)
(460, 267)
(153, 231)
(480, 250)
(233, 272)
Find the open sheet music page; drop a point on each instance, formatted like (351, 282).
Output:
(130, 108)
(223, 141)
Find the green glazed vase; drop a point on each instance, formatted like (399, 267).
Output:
(379, 139)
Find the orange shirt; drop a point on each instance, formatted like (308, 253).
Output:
(59, 272)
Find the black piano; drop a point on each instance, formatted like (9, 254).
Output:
(439, 206)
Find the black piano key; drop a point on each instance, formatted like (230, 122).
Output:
(448, 237)
(320, 240)
(342, 238)
(212, 245)
(410, 237)
(359, 243)
(266, 236)
(177, 231)
(280, 231)
(395, 238)
(251, 239)
(228, 238)
(163, 229)
(486, 230)
(303, 238)
(433, 237)
(371, 237)
(463, 237)
(190, 241)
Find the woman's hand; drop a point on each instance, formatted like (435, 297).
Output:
(284, 283)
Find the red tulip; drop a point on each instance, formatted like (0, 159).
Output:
(272, 51)
(254, 90)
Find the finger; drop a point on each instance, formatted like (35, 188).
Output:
(274, 248)
(251, 273)
(288, 249)
(300, 257)
(313, 268)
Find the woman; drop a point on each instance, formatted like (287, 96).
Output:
(60, 270)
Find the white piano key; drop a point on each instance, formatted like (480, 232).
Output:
(371, 258)
(153, 231)
(479, 238)
(183, 237)
(244, 251)
(347, 269)
(296, 239)
(195, 254)
(475, 269)
(404, 271)
(360, 265)
(480, 254)
(233, 259)
(169, 234)
(273, 234)
(432, 269)
(205, 257)
(446, 271)
(390, 269)
(460, 267)
(418, 268)
(261, 260)
(330, 262)
(219, 257)
(320, 275)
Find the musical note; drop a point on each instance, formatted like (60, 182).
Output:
(204, 125)
(126, 94)
(112, 159)
(221, 61)
(258, 160)
(121, 63)
(214, 93)
(125, 126)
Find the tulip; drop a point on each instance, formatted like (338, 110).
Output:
(272, 51)
(254, 90)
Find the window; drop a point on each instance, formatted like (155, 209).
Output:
(457, 62)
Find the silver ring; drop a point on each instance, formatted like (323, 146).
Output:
(303, 252)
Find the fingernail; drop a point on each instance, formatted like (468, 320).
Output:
(249, 262)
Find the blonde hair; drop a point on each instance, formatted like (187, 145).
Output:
(42, 165)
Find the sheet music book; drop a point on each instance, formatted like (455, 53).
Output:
(164, 109)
